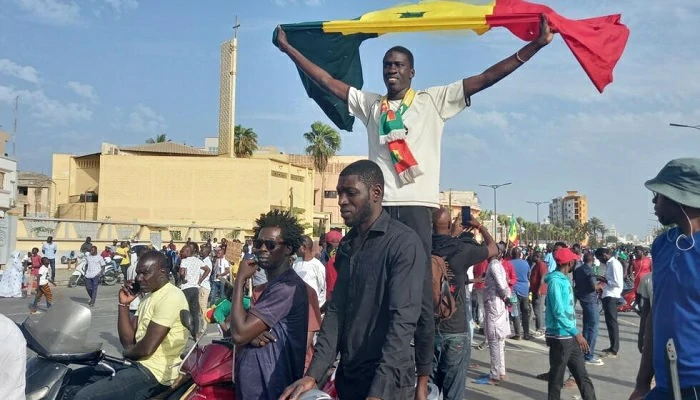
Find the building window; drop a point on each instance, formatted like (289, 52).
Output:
(176, 235)
(278, 174)
(2, 181)
(330, 194)
(206, 235)
(297, 178)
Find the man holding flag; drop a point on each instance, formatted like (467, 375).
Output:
(404, 129)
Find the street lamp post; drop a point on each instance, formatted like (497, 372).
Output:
(495, 213)
(539, 226)
(685, 126)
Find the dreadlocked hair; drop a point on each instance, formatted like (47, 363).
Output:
(291, 232)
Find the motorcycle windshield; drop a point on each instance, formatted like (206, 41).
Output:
(61, 331)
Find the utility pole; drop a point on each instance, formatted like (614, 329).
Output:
(539, 225)
(232, 84)
(685, 126)
(495, 213)
(450, 202)
(14, 129)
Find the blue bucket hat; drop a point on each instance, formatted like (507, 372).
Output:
(679, 180)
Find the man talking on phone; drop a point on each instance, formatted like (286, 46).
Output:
(154, 339)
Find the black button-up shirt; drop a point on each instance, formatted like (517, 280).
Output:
(373, 313)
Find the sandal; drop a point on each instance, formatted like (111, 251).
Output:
(570, 384)
(486, 380)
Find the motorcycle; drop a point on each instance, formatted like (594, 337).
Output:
(207, 372)
(59, 338)
(108, 278)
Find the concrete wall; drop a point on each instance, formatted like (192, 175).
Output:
(87, 175)
(200, 190)
(61, 167)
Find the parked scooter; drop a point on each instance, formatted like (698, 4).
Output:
(109, 278)
(59, 339)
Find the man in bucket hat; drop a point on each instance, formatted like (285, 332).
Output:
(676, 284)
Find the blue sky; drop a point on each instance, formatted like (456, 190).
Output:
(124, 70)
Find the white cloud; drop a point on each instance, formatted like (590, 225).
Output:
(122, 6)
(68, 12)
(54, 12)
(144, 120)
(46, 111)
(25, 73)
(83, 90)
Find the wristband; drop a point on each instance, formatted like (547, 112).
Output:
(123, 305)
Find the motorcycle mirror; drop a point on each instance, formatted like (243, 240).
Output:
(187, 321)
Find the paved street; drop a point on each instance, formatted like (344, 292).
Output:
(527, 359)
(524, 360)
(104, 314)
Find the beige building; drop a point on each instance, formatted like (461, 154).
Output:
(34, 195)
(572, 207)
(166, 184)
(325, 199)
(454, 200)
(4, 138)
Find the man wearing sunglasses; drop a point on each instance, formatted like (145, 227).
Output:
(272, 336)
(373, 313)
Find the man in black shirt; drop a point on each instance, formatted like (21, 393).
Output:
(585, 286)
(452, 341)
(376, 302)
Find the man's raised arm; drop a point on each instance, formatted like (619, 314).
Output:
(317, 74)
(500, 70)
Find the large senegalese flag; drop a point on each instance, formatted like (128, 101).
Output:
(597, 43)
(513, 231)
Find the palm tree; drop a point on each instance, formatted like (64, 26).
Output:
(594, 226)
(245, 141)
(324, 143)
(161, 138)
(485, 216)
(578, 231)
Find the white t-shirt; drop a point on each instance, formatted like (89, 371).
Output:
(13, 358)
(206, 282)
(425, 121)
(43, 275)
(314, 274)
(193, 267)
(222, 265)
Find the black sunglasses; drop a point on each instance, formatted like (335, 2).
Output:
(270, 244)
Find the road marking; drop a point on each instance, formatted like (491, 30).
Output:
(624, 321)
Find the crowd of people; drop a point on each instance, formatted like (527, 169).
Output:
(393, 293)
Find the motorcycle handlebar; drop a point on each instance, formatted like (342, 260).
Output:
(117, 360)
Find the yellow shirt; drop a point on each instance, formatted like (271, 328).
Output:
(124, 252)
(163, 307)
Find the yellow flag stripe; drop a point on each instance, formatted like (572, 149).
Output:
(428, 16)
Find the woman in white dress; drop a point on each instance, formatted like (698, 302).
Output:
(11, 283)
(497, 325)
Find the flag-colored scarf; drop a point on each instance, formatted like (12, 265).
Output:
(392, 132)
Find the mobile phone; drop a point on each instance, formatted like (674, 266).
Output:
(134, 288)
(466, 215)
